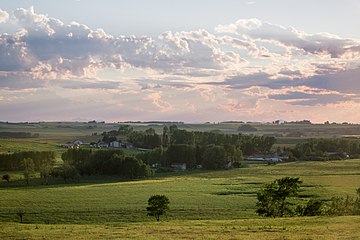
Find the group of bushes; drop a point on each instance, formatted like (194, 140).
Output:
(274, 201)
(336, 206)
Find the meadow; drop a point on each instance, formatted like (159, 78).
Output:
(203, 204)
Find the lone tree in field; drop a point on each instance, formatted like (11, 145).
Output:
(6, 178)
(273, 199)
(158, 205)
(20, 213)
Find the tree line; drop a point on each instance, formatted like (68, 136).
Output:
(77, 162)
(14, 161)
(326, 149)
(248, 144)
(28, 162)
(18, 135)
(105, 162)
(209, 156)
(212, 150)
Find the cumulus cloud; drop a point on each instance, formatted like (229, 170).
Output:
(293, 89)
(161, 105)
(346, 81)
(48, 48)
(319, 43)
(307, 99)
(235, 68)
(4, 16)
(51, 48)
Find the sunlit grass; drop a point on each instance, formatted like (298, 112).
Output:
(287, 228)
(203, 205)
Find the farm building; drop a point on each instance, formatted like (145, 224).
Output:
(102, 145)
(115, 144)
(179, 166)
(78, 142)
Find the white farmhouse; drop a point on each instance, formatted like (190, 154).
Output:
(115, 144)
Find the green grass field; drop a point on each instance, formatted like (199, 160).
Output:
(204, 205)
(287, 228)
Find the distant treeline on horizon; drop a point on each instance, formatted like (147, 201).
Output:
(182, 123)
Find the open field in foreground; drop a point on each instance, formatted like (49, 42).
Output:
(287, 228)
(204, 205)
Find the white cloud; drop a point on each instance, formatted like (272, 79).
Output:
(61, 50)
(4, 16)
(161, 105)
(14, 54)
(319, 43)
(244, 65)
(49, 48)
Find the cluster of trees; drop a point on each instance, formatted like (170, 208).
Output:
(326, 149)
(209, 156)
(29, 162)
(113, 135)
(278, 199)
(14, 161)
(213, 150)
(148, 139)
(247, 128)
(172, 135)
(105, 162)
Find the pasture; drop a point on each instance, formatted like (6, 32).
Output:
(203, 205)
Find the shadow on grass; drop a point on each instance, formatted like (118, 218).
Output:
(35, 183)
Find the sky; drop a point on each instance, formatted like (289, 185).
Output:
(191, 61)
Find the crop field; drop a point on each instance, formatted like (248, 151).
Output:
(203, 205)
(60, 131)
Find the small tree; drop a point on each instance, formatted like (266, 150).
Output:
(69, 172)
(158, 205)
(45, 169)
(357, 202)
(312, 208)
(28, 167)
(6, 178)
(45, 172)
(214, 157)
(272, 200)
(20, 213)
